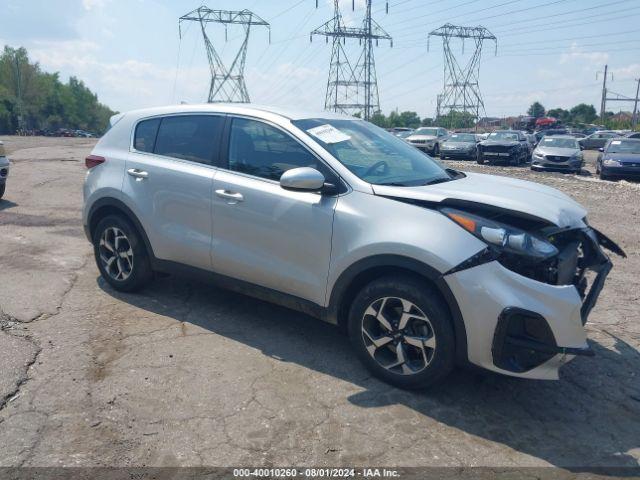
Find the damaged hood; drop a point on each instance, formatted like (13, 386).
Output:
(516, 195)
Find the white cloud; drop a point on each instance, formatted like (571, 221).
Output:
(93, 4)
(577, 53)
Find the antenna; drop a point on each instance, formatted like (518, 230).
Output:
(461, 92)
(352, 88)
(227, 84)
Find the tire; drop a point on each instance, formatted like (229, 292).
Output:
(2, 189)
(480, 159)
(436, 150)
(603, 176)
(116, 238)
(431, 354)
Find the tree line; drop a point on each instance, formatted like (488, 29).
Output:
(33, 100)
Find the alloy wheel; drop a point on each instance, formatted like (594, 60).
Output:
(398, 335)
(116, 254)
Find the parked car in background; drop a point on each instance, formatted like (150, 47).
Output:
(428, 139)
(531, 141)
(424, 267)
(620, 157)
(460, 145)
(577, 135)
(404, 133)
(549, 132)
(597, 140)
(557, 153)
(633, 135)
(4, 170)
(504, 146)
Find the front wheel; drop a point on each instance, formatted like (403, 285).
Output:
(120, 254)
(436, 150)
(2, 189)
(480, 159)
(401, 330)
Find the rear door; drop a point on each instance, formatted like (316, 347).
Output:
(170, 172)
(263, 234)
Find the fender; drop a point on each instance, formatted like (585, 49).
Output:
(114, 203)
(346, 280)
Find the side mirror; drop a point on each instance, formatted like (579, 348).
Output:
(601, 149)
(303, 179)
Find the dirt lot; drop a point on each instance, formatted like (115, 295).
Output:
(185, 374)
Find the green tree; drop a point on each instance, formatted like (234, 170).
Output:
(560, 113)
(536, 110)
(33, 99)
(583, 113)
(379, 119)
(410, 119)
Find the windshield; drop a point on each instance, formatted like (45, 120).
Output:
(462, 137)
(558, 142)
(624, 146)
(503, 136)
(373, 154)
(426, 131)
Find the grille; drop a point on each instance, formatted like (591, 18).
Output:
(497, 148)
(557, 158)
(418, 141)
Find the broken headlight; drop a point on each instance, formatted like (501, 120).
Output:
(504, 237)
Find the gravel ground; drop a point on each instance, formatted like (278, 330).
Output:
(185, 374)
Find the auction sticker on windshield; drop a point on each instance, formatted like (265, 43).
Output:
(328, 134)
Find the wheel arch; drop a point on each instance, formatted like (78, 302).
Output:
(109, 206)
(362, 272)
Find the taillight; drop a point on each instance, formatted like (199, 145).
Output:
(93, 161)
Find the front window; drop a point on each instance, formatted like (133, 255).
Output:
(462, 137)
(503, 136)
(558, 142)
(624, 146)
(372, 154)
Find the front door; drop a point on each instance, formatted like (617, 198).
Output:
(262, 233)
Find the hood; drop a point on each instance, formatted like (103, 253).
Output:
(459, 144)
(623, 157)
(509, 143)
(421, 137)
(562, 152)
(516, 195)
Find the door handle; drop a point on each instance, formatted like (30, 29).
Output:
(232, 197)
(139, 174)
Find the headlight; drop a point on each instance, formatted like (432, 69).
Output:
(503, 237)
(610, 162)
(538, 155)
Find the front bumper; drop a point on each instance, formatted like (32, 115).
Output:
(545, 164)
(501, 156)
(425, 147)
(523, 327)
(624, 171)
(4, 169)
(466, 154)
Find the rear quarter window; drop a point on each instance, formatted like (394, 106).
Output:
(145, 135)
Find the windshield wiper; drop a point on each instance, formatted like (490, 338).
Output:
(438, 180)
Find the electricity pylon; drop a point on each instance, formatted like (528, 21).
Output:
(227, 84)
(352, 88)
(461, 91)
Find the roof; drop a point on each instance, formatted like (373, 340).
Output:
(238, 108)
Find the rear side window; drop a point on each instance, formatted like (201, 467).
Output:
(190, 137)
(145, 136)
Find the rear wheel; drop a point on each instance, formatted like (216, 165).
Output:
(120, 254)
(402, 331)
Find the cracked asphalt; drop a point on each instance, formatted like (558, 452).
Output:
(184, 374)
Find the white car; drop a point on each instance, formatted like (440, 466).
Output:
(428, 139)
(425, 267)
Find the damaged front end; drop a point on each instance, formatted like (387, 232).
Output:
(527, 334)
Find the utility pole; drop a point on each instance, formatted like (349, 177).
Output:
(634, 118)
(347, 80)
(603, 101)
(227, 84)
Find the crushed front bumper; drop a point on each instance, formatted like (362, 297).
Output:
(524, 327)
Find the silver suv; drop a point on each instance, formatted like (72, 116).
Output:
(425, 267)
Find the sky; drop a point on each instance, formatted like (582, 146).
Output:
(130, 53)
